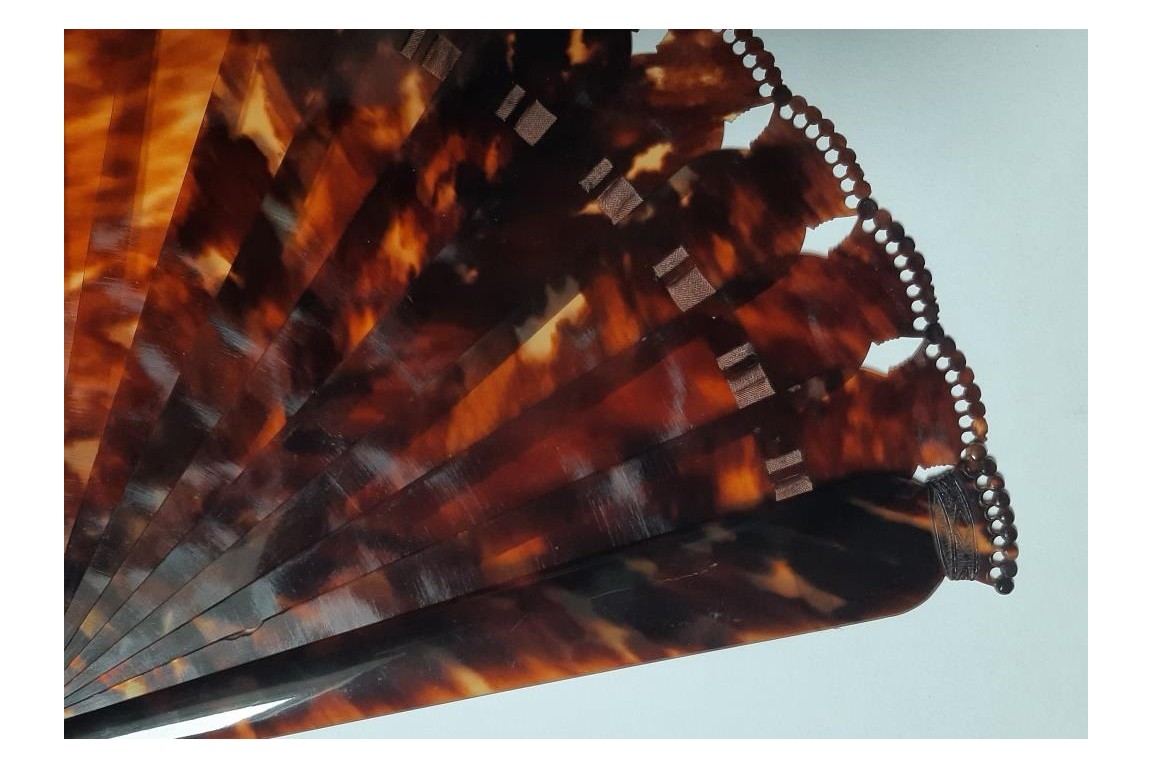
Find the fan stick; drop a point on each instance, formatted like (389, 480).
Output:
(207, 222)
(248, 412)
(551, 424)
(429, 543)
(855, 541)
(636, 507)
(317, 188)
(88, 102)
(256, 282)
(781, 573)
(826, 303)
(604, 312)
(184, 489)
(185, 68)
(212, 380)
(205, 545)
(288, 529)
(103, 266)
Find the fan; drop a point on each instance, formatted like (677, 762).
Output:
(407, 366)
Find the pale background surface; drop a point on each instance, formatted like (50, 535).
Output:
(977, 142)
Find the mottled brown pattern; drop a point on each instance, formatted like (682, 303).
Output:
(274, 398)
(316, 164)
(104, 291)
(198, 213)
(375, 252)
(757, 578)
(185, 69)
(493, 294)
(507, 374)
(853, 551)
(639, 498)
(560, 350)
(88, 99)
(233, 241)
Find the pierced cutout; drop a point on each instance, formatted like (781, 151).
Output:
(646, 40)
(924, 474)
(887, 355)
(826, 236)
(741, 131)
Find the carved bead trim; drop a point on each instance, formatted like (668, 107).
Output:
(977, 470)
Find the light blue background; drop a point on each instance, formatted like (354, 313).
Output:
(977, 142)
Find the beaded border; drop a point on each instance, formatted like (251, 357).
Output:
(976, 468)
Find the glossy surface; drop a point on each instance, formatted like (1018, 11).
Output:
(489, 312)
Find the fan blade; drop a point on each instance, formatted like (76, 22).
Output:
(209, 223)
(267, 274)
(257, 403)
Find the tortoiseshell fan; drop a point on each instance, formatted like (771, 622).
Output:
(408, 366)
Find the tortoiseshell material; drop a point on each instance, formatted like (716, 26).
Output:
(495, 290)
(418, 230)
(106, 268)
(784, 321)
(214, 212)
(89, 93)
(319, 187)
(848, 552)
(584, 314)
(442, 552)
(452, 324)
(395, 231)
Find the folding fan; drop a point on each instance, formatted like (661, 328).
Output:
(407, 366)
